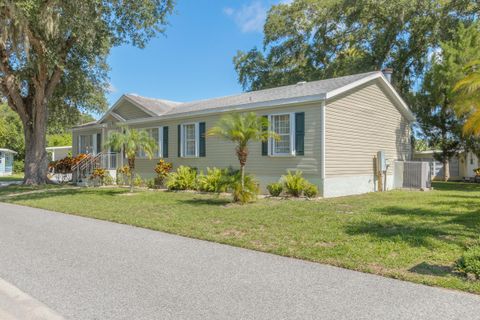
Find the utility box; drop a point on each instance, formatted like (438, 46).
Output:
(381, 161)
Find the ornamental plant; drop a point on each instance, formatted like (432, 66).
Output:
(294, 183)
(162, 169)
(100, 175)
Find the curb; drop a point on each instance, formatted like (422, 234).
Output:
(17, 305)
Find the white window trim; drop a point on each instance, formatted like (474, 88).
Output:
(159, 152)
(271, 141)
(197, 139)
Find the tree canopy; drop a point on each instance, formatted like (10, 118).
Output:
(434, 104)
(311, 39)
(53, 59)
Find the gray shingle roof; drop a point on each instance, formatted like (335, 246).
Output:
(165, 107)
(157, 106)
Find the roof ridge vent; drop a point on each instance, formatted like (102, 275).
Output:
(300, 83)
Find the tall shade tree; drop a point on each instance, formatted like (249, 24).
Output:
(313, 39)
(434, 105)
(53, 59)
(467, 101)
(241, 128)
(132, 142)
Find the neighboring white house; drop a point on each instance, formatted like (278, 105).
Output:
(57, 153)
(330, 129)
(461, 166)
(6, 162)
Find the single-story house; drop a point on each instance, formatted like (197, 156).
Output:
(57, 153)
(6, 162)
(330, 129)
(461, 166)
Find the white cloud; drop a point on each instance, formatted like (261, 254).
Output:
(250, 17)
(229, 11)
(111, 88)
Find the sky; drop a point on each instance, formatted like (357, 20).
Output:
(193, 60)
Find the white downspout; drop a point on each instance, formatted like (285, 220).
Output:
(322, 144)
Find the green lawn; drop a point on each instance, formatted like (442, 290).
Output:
(409, 235)
(14, 177)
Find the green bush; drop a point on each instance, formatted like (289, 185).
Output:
(250, 189)
(469, 262)
(294, 183)
(310, 190)
(151, 184)
(275, 189)
(182, 179)
(216, 180)
(138, 181)
(18, 166)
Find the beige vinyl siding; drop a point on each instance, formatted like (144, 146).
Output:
(360, 123)
(221, 153)
(129, 111)
(77, 133)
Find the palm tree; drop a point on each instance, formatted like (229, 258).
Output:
(241, 128)
(132, 141)
(467, 101)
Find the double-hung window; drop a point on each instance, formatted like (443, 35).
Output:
(85, 144)
(190, 140)
(284, 127)
(155, 134)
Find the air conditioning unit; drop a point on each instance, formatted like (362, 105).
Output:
(412, 175)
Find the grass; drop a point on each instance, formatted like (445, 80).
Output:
(410, 235)
(13, 177)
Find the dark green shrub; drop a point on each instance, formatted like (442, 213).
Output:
(469, 262)
(275, 189)
(182, 179)
(310, 190)
(18, 166)
(294, 183)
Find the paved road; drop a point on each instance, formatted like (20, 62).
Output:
(89, 269)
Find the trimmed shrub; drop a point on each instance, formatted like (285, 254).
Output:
(469, 262)
(182, 179)
(216, 180)
(294, 183)
(310, 190)
(275, 189)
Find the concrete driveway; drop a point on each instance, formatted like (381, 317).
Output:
(89, 269)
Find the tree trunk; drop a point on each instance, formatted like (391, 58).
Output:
(446, 170)
(36, 160)
(242, 154)
(131, 166)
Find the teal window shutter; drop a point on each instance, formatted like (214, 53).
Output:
(165, 142)
(201, 144)
(99, 143)
(300, 133)
(179, 141)
(265, 143)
